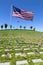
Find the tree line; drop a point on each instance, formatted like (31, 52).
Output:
(24, 27)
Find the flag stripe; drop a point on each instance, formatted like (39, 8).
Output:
(22, 14)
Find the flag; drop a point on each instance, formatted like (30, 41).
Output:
(22, 14)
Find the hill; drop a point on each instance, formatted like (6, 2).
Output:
(27, 36)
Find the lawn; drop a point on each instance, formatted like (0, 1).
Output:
(17, 41)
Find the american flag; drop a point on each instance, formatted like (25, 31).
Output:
(22, 14)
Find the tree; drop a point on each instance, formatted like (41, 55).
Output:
(1, 26)
(34, 29)
(31, 27)
(20, 26)
(10, 26)
(24, 27)
(5, 25)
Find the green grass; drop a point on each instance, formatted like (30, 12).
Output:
(20, 38)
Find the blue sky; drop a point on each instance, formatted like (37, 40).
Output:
(35, 6)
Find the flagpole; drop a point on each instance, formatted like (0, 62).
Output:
(11, 16)
(11, 36)
(10, 20)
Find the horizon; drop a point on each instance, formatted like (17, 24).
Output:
(20, 29)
